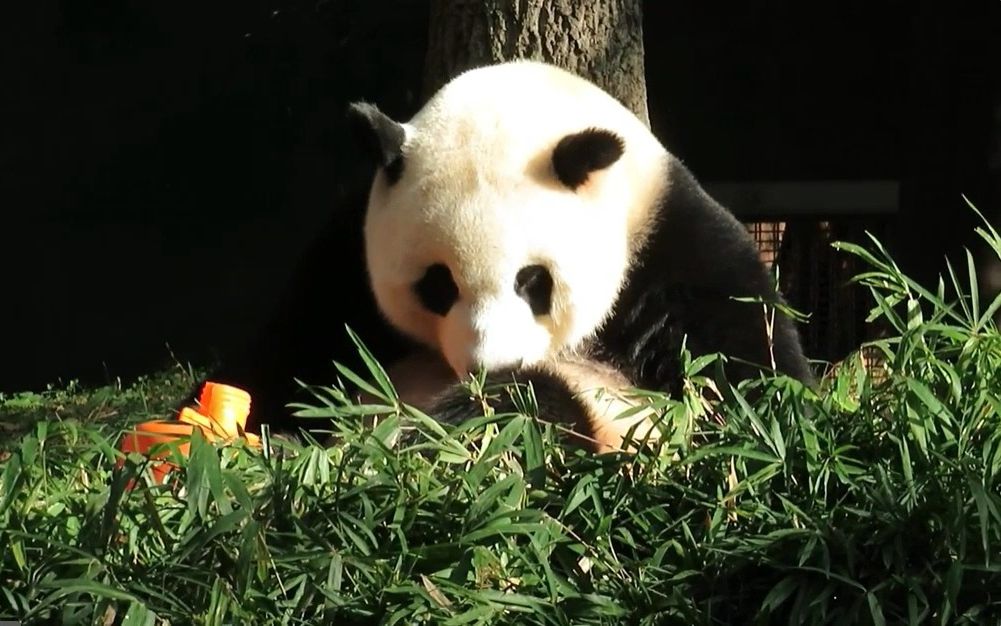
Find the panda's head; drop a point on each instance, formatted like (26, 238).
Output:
(501, 222)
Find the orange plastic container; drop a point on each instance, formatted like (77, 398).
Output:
(149, 434)
(222, 414)
(225, 407)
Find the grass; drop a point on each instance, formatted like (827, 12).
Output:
(117, 405)
(874, 500)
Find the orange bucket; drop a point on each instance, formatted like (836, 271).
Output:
(222, 414)
(149, 434)
(227, 406)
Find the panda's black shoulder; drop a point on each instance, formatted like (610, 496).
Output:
(696, 257)
(304, 328)
(694, 236)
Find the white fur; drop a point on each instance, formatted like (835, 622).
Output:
(478, 194)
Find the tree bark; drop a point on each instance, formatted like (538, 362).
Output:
(601, 40)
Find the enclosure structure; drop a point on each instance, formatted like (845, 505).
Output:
(795, 224)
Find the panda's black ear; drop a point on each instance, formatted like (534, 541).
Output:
(579, 154)
(380, 134)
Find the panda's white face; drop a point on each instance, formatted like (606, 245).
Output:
(501, 233)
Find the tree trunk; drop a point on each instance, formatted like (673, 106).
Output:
(601, 40)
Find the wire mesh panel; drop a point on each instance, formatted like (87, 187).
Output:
(816, 279)
(768, 236)
(794, 223)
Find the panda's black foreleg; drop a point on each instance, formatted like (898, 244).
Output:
(510, 392)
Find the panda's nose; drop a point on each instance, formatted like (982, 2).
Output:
(534, 285)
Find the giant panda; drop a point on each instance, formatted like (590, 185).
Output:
(526, 224)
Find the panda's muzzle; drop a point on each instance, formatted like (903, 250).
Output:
(498, 332)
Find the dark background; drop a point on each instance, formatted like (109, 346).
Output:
(162, 164)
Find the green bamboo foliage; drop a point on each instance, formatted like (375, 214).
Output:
(873, 500)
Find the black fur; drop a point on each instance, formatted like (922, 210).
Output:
(534, 285)
(306, 332)
(382, 136)
(695, 260)
(554, 397)
(437, 290)
(577, 155)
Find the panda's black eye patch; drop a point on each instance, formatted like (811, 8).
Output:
(534, 285)
(437, 290)
(579, 154)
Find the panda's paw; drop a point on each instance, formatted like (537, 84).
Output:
(465, 401)
(535, 392)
